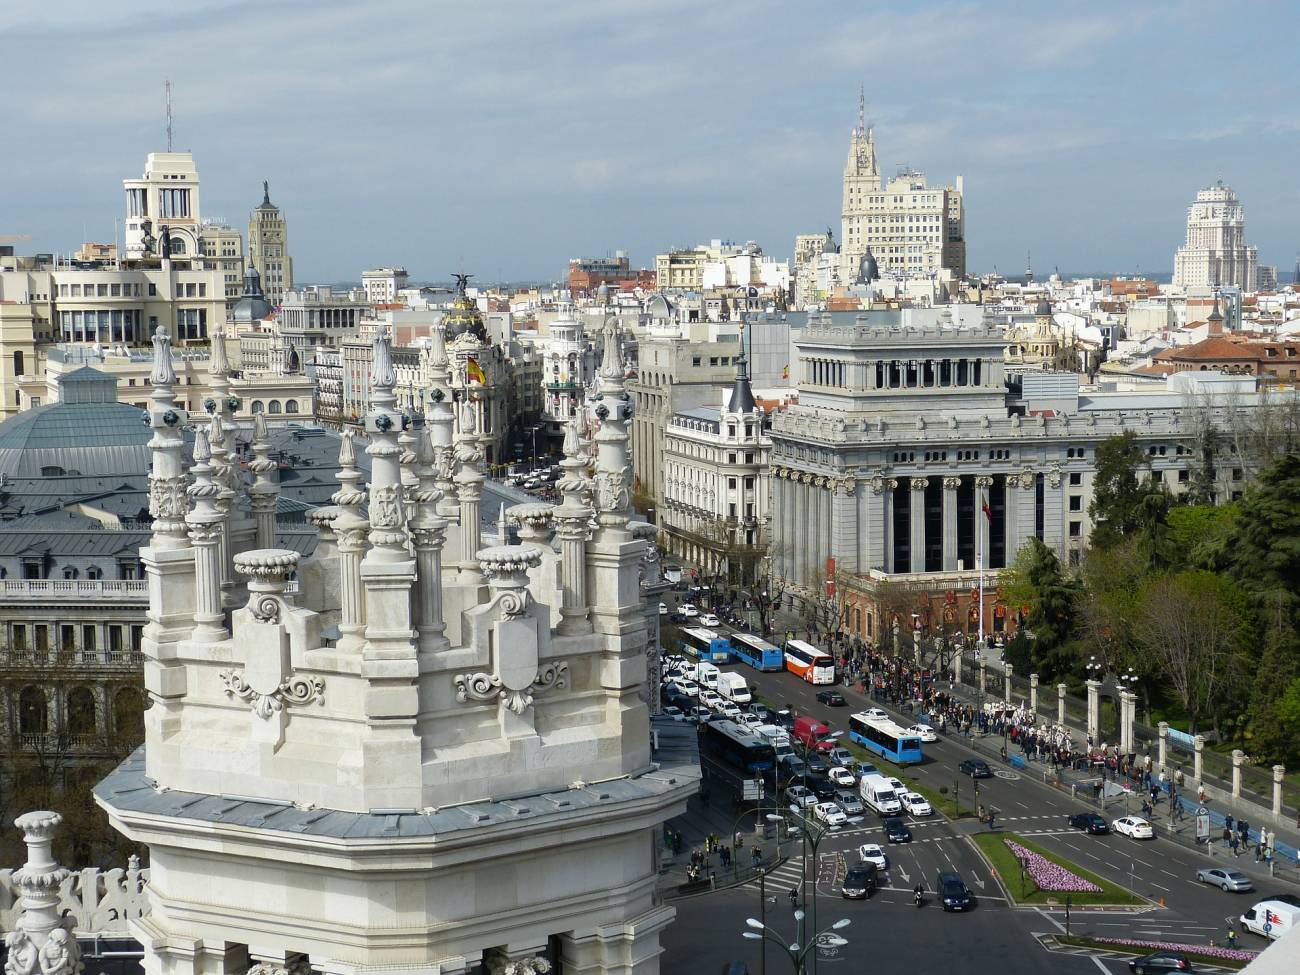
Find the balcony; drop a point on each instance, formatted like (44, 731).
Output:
(98, 590)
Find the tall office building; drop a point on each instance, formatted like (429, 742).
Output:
(909, 226)
(268, 248)
(166, 196)
(1215, 254)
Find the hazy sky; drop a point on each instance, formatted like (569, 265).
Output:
(508, 137)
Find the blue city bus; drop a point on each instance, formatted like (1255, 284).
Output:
(885, 738)
(706, 645)
(731, 755)
(757, 652)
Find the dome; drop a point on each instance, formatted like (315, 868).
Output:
(1043, 309)
(868, 269)
(253, 306)
(659, 307)
(88, 431)
(464, 316)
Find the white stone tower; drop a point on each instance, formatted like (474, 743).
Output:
(457, 776)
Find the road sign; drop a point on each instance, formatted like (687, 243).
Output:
(1202, 826)
(1267, 927)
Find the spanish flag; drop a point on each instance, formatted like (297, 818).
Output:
(474, 371)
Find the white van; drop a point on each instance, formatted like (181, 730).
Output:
(706, 675)
(733, 688)
(879, 795)
(1270, 919)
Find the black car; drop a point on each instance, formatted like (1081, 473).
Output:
(896, 831)
(1089, 822)
(976, 768)
(832, 699)
(784, 718)
(859, 882)
(817, 762)
(953, 893)
(820, 786)
(1291, 899)
(792, 767)
(1161, 961)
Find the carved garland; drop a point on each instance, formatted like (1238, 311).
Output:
(488, 687)
(293, 690)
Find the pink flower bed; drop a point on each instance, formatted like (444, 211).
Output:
(1048, 875)
(1234, 954)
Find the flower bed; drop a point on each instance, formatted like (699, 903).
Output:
(1048, 875)
(1209, 951)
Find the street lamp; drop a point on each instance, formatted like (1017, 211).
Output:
(798, 953)
(812, 834)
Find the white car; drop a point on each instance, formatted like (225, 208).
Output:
(924, 732)
(830, 813)
(674, 713)
(874, 713)
(710, 699)
(1134, 826)
(916, 804)
(752, 720)
(842, 776)
(708, 619)
(801, 796)
(663, 609)
(872, 853)
(729, 710)
(688, 686)
(687, 610)
(897, 785)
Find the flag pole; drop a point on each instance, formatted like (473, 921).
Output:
(979, 565)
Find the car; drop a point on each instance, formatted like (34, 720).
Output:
(708, 619)
(924, 732)
(1161, 961)
(799, 796)
(676, 714)
(817, 763)
(729, 710)
(842, 776)
(839, 755)
(899, 788)
(687, 610)
(711, 698)
(953, 892)
(763, 711)
(752, 720)
(1089, 822)
(677, 617)
(874, 713)
(976, 768)
(916, 804)
(689, 687)
(849, 802)
(896, 831)
(663, 609)
(1133, 826)
(866, 768)
(532, 484)
(832, 699)
(792, 767)
(859, 881)
(821, 787)
(830, 813)
(872, 853)
(1224, 879)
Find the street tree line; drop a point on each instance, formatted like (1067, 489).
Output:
(1200, 600)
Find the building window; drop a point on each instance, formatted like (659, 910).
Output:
(257, 406)
(1076, 529)
(1076, 479)
(18, 363)
(274, 407)
(1076, 502)
(291, 406)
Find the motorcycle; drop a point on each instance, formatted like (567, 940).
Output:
(918, 897)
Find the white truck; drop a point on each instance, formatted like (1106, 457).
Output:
(1271, 919)
(706, 675)
(733, 688)
(879, 795)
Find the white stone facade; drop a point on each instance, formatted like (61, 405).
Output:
(1215, 254)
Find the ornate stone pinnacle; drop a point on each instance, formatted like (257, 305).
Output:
(267, 564)
(504, 563)
(163, 373)
(534, 519)
(218, 364)
(383, 377)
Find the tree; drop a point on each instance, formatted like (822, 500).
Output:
(1117, 489)
(1193, 624)
(1037, 578)
(1275, 700)
(1199, 534)
(1264, 546)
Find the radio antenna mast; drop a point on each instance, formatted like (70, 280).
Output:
(167, 87)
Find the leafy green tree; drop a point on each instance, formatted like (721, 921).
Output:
(1275, 700)
(1038, 579)
(1117, 490)
(1264, 546)
(1199, 534)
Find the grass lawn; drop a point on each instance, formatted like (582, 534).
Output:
(1008, 868)
(1190, 952)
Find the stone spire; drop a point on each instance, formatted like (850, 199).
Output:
(469, 489)
(167, 499)
(429, 534)
(351, 528)
(742, 394)
(573, 527)
(223, 472)
(206, 524)
(613, 479)
(265, 492)
(218, 364)
(387, 514)
(42, 941)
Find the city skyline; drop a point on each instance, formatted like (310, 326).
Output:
(452, 143)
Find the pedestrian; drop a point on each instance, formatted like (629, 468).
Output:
(1233, 842)
(740, 839)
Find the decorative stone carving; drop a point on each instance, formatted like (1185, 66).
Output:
(1027, 479)
(920, 483)
(167, 498)
(295, 690)
(951, 483)
(487, 687)
(1054, 477)
(385, 507)
(41, 942)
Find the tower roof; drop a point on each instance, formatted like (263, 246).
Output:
(253, 306)
(742, 394)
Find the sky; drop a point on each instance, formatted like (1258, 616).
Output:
(505, 138)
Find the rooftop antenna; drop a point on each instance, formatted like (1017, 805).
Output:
(862, 110)
(167, 87)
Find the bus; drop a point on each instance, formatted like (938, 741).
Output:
(731, 755)
(757, 652)
(806, 661)
(885, 738)
(705, 645)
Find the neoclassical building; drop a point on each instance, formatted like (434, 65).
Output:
(908, 459)
(435, 755)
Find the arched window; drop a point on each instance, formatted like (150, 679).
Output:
(81, 711)
(33, 711)
(291, 406)
(274, 407)
(94, 572)
(257, 406)
(128, 714)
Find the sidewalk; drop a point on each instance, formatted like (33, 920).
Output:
(700, 819)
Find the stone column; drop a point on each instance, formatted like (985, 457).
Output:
(917, 545)
(264, 492)
(1006, 678)
(205, 524)
(1238, 759)
(1011, 499)
(844, 525)
(886, 523)
(469, 489)
(1060, 704)
(1033, 693)
(41, 941)
(956, 667)
(1163, 729)
(950, 485)
(573, 520)
(429, 534)
(352, 530)
(1279, 773)
(1127, 712)
(1094, 711)
(1198, 757)
(825, 539)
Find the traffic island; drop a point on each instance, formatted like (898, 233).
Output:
(1231, 959)
(1036, 877)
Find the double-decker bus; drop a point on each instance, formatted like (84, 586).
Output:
(806, 661)
(706, 645)
(885, 738)
(757, 652)
(731, 755)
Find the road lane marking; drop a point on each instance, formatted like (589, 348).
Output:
(1059, 925)
(1168, 874)
(1100, 965)
(1165, 889)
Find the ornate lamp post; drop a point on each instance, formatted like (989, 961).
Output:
(798, 953)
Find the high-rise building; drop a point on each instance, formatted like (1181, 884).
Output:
(1215, 254)
(223, 246)
(268, 248)
(382, 284)
(166, 198)
(909, 226)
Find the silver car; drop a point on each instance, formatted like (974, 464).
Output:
(1232, 880)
